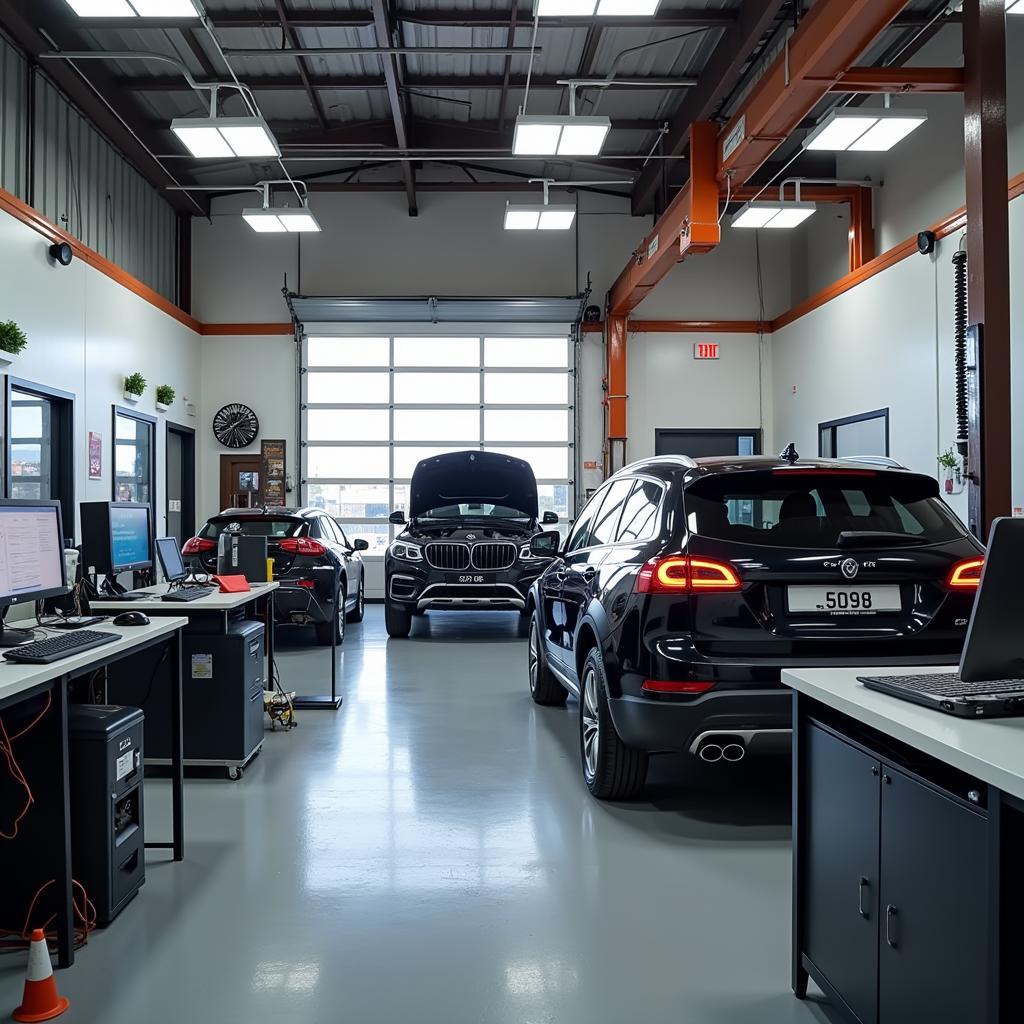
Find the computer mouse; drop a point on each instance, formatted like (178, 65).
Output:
(131, 619)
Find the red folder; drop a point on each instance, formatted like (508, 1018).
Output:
(233, 584)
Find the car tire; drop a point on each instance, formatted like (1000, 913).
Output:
(545, 689)
(357, 613)
(323, 629)
(611, 769)
(397, 620)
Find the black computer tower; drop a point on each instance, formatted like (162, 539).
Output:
(105, 759)
(240, 554)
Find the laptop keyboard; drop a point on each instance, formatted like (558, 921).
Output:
(949, 684)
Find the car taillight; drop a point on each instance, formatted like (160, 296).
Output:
(682, 574)
(689, 687)
(198, 545)
(816, 471)
(307, 584)
(966, 575)
(303, 546)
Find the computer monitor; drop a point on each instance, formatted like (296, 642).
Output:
(169, 554)
(31, 557)
(116, 536)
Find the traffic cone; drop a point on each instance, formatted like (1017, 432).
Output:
(41, 1000)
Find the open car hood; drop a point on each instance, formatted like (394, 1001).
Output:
(476, 478)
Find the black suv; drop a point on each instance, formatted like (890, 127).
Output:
(466, 545)
(686, 587)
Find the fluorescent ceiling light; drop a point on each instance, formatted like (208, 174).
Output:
(133, 8)
(859, 130)
(207, 137)
(773, 215)
(588, 8)
(520, 217)
(280, 219)
(555, 135)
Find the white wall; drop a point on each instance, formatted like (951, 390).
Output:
(85, 333)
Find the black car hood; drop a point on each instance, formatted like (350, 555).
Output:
(469, 529)
(474, 478)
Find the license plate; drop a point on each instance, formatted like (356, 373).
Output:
(844, 600)
(467, 579)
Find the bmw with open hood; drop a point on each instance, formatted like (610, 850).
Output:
(466, 541)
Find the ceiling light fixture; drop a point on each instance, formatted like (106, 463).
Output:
(540, 216)
(269, 219)
(207, 137)
(769, 214)
(134, 8)
(556, 135)
(857, 130)
(588, 8)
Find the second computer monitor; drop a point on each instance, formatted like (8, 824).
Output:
(31, 551)
(168, 552)
(116, 536)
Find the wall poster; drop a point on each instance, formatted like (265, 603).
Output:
(272, 458)
(95, 456)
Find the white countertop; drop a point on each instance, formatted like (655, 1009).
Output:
(215, 601)
(15, 678)
(992, 750)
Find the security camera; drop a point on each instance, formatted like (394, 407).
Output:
(61, 252)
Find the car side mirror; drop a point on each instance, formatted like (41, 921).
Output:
(550, 519)
(361, 545)
(546, 545)
(398, 518)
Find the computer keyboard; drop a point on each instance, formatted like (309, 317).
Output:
(42, 652)
(187, 594)
(949, 684)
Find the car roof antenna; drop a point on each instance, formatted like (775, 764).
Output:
(790, 455)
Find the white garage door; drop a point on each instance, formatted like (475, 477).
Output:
(375, 406)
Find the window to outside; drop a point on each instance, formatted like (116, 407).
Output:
(867, 434)
(40, 446)
(809, 511)
(374, 407)
(134, 458)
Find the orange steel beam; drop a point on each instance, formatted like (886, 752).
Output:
(689, 226)
(616, 397)
(892, 80)
(828, 41)
(862, 229)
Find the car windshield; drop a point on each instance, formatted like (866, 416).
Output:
(804, 509)
(466, 510)
(255, 526)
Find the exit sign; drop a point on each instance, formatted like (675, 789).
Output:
(705, 350)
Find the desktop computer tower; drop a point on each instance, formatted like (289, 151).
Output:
(239, 554)
(222, 690)
(105, 761)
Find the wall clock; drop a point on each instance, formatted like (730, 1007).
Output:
(236, 426)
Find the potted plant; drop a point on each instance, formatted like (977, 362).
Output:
(134, 387)
(164, 397)
(12, 341)
(949, 463)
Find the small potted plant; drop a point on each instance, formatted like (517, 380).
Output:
(12, 341)
(949, 463)
(134, 387)
(164, 397)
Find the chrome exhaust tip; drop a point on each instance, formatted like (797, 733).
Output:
(710, 752)
(734, 752)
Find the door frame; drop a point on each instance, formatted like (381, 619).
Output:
(845, 421)
(225, 458)
(756, 433)
(188, 497)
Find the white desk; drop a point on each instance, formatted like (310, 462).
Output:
(52, 809)
(215, 601)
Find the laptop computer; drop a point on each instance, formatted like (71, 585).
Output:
(990, 683)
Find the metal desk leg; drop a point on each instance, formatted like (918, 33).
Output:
(333, 702)
(268, 613)
(62, 813)
(177, 750)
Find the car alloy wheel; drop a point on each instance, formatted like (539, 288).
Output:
(534, 656)
(591, 723)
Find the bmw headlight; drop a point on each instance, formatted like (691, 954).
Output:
(407, 552)
(526, 555)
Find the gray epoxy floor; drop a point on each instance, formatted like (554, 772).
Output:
(429, 854)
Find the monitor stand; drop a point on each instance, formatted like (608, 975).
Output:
(10, 637)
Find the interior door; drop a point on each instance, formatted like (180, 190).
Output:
(239, 481)
(705, 444)
(841, 880)
(181, 483)
(933, 959)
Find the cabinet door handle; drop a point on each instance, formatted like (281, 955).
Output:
(890, 926)
(864, 884)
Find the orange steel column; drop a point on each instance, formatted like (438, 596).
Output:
(616, 398)
(862, 228)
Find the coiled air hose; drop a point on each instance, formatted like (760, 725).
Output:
(960, 346)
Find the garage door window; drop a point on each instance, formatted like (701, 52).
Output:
(374, 407)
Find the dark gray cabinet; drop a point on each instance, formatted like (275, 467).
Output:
(892, 889)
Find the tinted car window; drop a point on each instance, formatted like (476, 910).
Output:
(803, 509)
(640, 513)
(255, 527)
(580, 536)
(606, 524)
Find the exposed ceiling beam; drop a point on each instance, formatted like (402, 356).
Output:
(719, 77)
(506, 78)
(898, 79)
(98, 95)
(396, 99)
(293, 40)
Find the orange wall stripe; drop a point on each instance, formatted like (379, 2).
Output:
(263, 330)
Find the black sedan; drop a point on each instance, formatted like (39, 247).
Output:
(687, 586)
(308, 548)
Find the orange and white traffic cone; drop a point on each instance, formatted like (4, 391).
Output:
(41, 1000)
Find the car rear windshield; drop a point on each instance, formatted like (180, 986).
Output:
(803, 509)
(255, 526)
